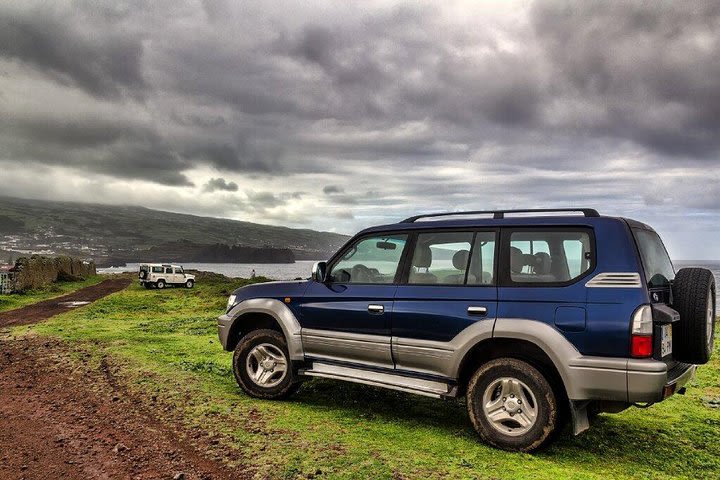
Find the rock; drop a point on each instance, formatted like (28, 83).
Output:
(179, 476)
(119, 448)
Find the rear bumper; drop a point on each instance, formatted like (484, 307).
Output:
(651, 386)
(625, 380)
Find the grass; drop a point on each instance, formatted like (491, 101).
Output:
(17, 300)
(163, 345)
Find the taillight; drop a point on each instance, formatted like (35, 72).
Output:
(641, 343)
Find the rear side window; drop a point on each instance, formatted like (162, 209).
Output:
(549, 257)
(157, 269)
(659, 270)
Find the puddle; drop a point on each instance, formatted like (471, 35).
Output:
(72, 304)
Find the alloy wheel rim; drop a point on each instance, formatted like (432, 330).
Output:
(266, 365)
(510, 406)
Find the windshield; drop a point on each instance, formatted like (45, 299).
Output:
(659, 270)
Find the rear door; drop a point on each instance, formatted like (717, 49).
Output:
(449, 285)
(347, 318)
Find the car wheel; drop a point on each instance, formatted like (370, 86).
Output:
(694, 299)
(189, 284)
(512, 405)
(160, 284)
(262, 366)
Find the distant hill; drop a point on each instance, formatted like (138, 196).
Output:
(105, 231)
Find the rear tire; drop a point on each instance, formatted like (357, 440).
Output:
(160, 284)
(147, 286)
(189, 284)
(695, 301)
(262, 366)
(512, 405)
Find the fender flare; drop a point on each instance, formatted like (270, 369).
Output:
(282, 315)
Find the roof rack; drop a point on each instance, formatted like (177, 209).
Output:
(499, 214)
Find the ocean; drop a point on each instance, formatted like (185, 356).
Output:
(301, 269)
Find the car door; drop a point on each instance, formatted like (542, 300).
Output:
(449, 287)
(179, 275)
(347, 318)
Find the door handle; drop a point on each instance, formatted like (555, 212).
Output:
(477, 311)
(376, 308)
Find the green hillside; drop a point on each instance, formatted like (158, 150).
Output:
(102, 230)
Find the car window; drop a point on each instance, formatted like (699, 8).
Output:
(178, 270)
(557, 256)
(168, 270)
(482, 260)
(440, 258)
(659, 269)
(157, 269)
(370, 260)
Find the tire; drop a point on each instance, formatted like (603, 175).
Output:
(160, 284)
(521, 400)
(189, 284)
(694, 298)
(143, 274)
(248, 365)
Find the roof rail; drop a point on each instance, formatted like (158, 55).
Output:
(499, 214)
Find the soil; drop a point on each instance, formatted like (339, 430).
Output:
(68, 422)
(43, 310)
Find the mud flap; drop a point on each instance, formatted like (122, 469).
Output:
(580, 421)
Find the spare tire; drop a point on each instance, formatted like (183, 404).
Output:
(143, 274)
(694, 299)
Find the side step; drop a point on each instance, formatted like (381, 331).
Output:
(428, 388)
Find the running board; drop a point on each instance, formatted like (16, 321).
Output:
(428, 388)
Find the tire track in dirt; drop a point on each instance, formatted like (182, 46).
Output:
(61, 422)
(40, 311)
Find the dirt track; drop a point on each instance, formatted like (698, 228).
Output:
(43, 310)
(64, 422)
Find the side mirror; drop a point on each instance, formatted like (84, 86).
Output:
(319, 271)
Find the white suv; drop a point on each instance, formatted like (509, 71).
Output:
(161, 275)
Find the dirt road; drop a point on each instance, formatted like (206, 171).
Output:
(63, 422)
(43, 310)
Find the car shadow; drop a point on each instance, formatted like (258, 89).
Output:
(612, 438)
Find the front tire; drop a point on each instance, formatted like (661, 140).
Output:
(160, 284)
(189, 284)
(262, 365)
(512, 405)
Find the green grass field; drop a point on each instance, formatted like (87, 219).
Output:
(17, 300)
(165, 347)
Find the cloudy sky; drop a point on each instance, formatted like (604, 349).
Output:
(338, 115)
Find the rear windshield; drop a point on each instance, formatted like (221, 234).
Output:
(659, 270)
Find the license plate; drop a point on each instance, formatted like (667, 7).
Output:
(665, 340)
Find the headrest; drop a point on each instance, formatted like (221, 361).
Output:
(460, 259)
(517, 262)
(422, 257)
(542, 263)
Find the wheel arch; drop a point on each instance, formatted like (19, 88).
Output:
(265, 313)
(249, 321)
(520, 349)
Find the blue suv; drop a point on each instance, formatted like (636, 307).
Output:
(537, 317)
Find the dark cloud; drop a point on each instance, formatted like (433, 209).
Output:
(97, 59)
(332, 189)
(215, 184)
(371, 110)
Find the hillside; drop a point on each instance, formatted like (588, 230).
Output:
(102, 231)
